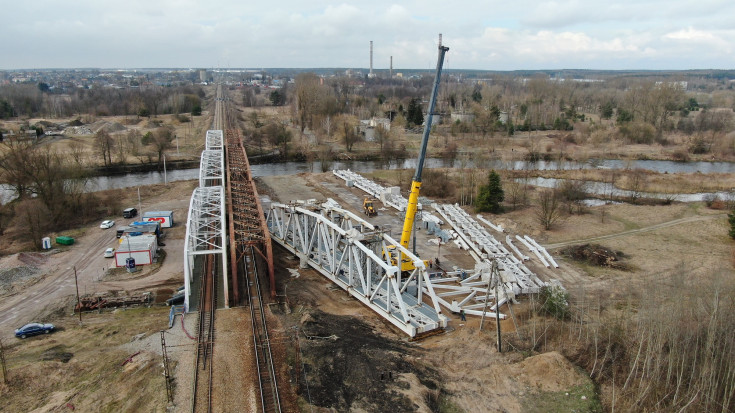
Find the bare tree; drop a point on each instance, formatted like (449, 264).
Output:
(14, 165)
(120, 148)
(104, 144)
(77, 153)
(349, 135)
(162, 142)
(133, 142)
(382, 135)
(637, 181)
(515, 193)
(549, 208)
(307, 98)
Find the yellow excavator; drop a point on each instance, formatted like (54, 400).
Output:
(413, 199)
(368, 208)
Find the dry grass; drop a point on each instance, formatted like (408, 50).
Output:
(93, 379)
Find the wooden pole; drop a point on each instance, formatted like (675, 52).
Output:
(2, 362)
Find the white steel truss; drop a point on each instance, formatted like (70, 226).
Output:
(212, 167)
(348, 251)
(205, 233)
(215, 140)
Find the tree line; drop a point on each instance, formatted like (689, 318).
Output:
(33, 100)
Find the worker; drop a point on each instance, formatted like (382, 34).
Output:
(461, 315)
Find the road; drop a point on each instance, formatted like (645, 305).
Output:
(85, 255)
(633, 231)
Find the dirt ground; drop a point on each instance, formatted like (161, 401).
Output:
(344, 344)
(336, 354)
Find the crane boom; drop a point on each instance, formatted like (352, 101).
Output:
(413, 197)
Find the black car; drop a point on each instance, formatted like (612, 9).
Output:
(33, 329)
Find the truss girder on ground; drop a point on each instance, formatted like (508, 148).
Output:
(348, 251)
(214, 140)
(205, 232)
(516, 276)
(212, 167)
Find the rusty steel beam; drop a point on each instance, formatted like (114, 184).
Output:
(247, 221)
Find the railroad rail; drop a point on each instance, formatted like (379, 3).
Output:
(202, 393)
(270, 399)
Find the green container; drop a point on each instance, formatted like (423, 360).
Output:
(64, 240)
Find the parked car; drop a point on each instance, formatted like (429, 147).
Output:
(107, 224)
(130, 212)
(33, 329)
(110, 252)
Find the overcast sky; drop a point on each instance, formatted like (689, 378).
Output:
(491, 34)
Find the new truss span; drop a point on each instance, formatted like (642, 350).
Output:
(348, 251)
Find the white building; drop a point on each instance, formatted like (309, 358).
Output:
(142, 248)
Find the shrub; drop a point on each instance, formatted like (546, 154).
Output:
(555, 301)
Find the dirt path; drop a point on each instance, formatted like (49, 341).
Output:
(671, 223)
(57, 284)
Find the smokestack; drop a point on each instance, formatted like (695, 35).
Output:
(371, 59)
(391, 67)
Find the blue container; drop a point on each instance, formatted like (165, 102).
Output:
(130, 264)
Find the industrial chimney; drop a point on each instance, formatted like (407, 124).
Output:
(371, 60)
(391, 67)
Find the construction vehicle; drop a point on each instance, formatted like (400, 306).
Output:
(368, 208)
(413, 199)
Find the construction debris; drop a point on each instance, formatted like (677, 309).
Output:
(595, 254)
(109, 300)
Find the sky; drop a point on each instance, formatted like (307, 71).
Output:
(485, 35)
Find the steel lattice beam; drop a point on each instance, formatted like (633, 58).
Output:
(212, 167)
(247, 221)
(205, 232)
(214, 140)
(348, 251)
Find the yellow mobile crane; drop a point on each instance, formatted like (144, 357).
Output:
(413, 199)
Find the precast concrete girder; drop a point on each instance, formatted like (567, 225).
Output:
(349, 252)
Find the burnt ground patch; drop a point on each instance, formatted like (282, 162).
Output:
(349, 366)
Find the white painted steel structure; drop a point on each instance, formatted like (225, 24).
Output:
(215, 140)
(388, 196)
(348, 251)
(516, 276)
(205, 233)
(212, 167)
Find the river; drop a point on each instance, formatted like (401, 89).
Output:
(131, 180)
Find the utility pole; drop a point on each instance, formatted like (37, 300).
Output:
(497, 312)
(166, 369)
(79, 303)
(2, 362)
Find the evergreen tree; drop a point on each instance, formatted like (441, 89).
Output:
(731, 220)
(490, 195)
(415, 114)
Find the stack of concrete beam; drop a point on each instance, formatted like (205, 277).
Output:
(390, 196)
(486, 248)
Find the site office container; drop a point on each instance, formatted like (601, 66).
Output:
(142, 248)
(166, 218)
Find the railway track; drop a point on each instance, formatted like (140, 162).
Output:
(203, 373)
(270, 399)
